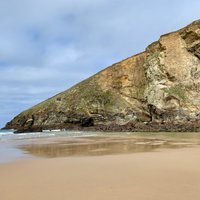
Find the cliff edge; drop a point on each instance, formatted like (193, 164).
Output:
(157, 90)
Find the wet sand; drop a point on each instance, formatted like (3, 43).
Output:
(106, 145)
(167, 174)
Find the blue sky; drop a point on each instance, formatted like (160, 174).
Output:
(46, 46)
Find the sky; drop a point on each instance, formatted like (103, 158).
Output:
(46, 46)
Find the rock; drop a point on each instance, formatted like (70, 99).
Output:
(28, 130)
(86, 122)
(156, 90)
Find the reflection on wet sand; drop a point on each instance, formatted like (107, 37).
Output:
(96, 146)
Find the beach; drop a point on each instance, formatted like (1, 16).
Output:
(161, 173)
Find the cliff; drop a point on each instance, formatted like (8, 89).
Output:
(157, 90)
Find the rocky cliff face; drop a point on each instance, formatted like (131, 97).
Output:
(154, 90)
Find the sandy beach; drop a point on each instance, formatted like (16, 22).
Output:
(169, 174)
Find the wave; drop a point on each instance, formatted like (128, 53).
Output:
(7, 132)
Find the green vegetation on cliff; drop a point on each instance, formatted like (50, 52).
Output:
(177, 90)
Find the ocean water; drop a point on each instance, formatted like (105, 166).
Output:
(77, 143)
(10, 143)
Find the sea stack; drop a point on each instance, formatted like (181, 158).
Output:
(156, 90)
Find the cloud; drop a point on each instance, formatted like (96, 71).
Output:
(47, 46)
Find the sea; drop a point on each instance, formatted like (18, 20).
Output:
(11, 143)
(51, 144)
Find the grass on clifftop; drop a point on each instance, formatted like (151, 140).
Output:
(81, 97)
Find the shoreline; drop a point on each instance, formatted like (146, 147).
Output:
(80, 144)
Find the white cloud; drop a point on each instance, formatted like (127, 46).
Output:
(58, 55)
(47, 46)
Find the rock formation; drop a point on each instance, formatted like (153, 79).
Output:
(157, 90)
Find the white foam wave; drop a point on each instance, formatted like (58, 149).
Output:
(6, 132)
